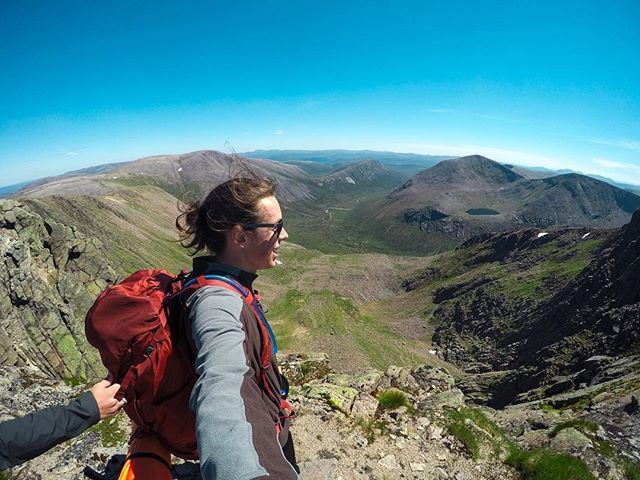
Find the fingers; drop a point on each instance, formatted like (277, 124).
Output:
(113, 389)
(111, 407)
(105, 395)
(101, 384)
(116, 405)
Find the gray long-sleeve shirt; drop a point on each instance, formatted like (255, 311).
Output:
(235, 419)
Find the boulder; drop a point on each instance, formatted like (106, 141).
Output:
(570, 440)
(320, 469)
(365, 406)
(389, 462)
(453, 398)
(337, 397)
(597, 362)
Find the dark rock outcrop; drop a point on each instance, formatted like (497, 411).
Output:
(559, 341)
(598, 314)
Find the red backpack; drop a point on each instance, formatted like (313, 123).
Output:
(137, 326)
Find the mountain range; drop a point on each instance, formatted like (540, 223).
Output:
(359, 203)
(530, 302)
(472, 195)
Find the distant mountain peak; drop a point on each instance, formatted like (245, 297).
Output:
(477, 165)
(365, 171)
(474, 171)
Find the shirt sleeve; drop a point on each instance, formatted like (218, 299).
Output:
(24, 438)
(237, 438)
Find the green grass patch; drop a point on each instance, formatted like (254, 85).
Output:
(112, 431)
(549, 409)
(393, 398)
(370, 426)
(581, 405)
(631, 470)
(348, 224)
(552, 264)
(467, 436)
(548, 465)
(472, 428)
(583, 426)
(302, 316)
(606, 448)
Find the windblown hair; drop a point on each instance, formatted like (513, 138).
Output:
(202, 224)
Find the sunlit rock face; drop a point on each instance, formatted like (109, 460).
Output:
(49, 276)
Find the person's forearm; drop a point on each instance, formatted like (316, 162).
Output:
(24, 438)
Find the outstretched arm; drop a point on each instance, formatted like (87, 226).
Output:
(24, 438)
(237, 437)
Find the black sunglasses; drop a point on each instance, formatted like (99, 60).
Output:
(276, 227)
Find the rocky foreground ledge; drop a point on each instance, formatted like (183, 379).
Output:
(405, 423)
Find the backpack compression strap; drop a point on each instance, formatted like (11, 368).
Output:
(132, 371)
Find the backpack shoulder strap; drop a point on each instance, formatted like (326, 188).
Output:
(268, 337)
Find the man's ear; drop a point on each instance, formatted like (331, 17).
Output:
(238, 236)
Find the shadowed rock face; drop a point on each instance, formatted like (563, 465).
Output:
(49, 277)
(598, 314)
(533, 342)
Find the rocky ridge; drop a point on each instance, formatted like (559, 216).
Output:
(532, 340)
(189, 174)
(49, 276)
(367, 171)
(411, 423)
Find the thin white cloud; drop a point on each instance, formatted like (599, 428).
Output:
(278, 132)
(498, 118)
(75, 151)
(440, 110)
(625, 144)
(614, 164)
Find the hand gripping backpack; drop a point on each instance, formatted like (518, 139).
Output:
(137, 326)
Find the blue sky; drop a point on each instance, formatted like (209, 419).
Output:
(554, 84)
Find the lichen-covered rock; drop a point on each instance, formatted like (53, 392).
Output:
(338, 397)
(49, 277)
(302, 368)
(365, 383)
(570, 440)
(452, 398)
